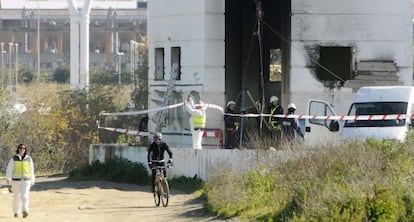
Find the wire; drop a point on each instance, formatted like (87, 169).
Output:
(301, 51)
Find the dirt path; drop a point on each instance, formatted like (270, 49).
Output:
(55, 199)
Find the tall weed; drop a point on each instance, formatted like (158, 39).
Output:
(357, 181)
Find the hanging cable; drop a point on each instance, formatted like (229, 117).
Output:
(301, 51)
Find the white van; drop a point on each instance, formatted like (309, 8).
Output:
(380, 100)
(373, 100)
(320, 131)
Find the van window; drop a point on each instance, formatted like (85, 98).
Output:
(319, 109)
(377, 108)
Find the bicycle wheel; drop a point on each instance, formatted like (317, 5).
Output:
(165, 192)
(157, 195)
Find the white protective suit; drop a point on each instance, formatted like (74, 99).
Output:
(20, 186)
(197, 134)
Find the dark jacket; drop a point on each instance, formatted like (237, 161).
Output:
(156, 152)
(229, 121)
(275, 110)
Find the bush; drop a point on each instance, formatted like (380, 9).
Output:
(369, 181)
(61, 74)
(115, 170)
(124, 171)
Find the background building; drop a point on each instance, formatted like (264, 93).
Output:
(42, 28)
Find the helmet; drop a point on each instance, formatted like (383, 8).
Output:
(291, 106)
(274, 99)
(157, 136)
(231, 102)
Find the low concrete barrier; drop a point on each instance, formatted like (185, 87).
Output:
(194, 163)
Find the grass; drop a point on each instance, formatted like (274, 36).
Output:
(370, 181)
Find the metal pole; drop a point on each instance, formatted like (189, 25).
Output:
(132, 62)
(38, 42)
(16, 66)
(10, 67)
(120, 54)
(2, 62)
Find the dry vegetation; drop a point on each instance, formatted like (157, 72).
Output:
(370, 181)
(59, 124)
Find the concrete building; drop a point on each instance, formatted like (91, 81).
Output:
(296, 50)
(42, 28)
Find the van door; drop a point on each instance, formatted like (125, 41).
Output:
(321, 131)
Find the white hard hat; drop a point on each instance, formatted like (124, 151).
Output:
(291, 106)
(274, 99)
(231, 102)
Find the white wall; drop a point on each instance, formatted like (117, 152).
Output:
(190, 162)
(198, 28)
(376, 29)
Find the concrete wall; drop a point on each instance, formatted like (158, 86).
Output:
(375, 29)
(197, 27)
(189, 162)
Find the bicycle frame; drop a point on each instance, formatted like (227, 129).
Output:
(162, 189)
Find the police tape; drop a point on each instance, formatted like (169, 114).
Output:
(140, 112)
(254, 115)
(340, 117)
(103, 113)
(125, 131)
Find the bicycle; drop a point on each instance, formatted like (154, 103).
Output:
(162, 189)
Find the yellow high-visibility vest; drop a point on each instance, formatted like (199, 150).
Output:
(199, 121)
(273, 122)
(21, 170)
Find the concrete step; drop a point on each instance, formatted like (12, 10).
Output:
(385, 66)
(356, 84)
(374, 73)
(377, 78)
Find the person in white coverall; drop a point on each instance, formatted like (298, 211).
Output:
(197, 120)
(20, 174)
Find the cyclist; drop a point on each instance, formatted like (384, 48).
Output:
(156, 153)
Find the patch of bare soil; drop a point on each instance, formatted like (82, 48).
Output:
(53, 198)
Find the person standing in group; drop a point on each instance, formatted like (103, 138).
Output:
(290, 126)
(197, 120)
(20, 174)
(156, 153)
(231, 125)
(275, 109)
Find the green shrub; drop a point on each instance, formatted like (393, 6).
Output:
(115, 170)
(357, 181)
(124, 171)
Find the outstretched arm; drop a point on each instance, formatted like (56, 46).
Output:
(192, 110)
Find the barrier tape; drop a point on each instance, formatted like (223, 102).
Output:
(103, 113)
(340, 118)
(253, 115)
(125, 131)
(213, 106)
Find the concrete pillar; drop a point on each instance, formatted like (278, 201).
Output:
(79, 52)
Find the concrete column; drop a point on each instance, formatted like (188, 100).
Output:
(79, 52)
(74, 51)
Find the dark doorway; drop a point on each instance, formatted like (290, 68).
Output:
(243, 55)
